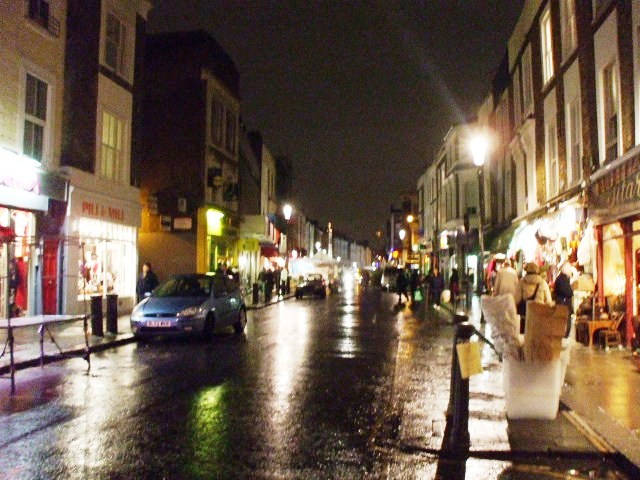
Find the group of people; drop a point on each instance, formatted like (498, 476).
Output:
(532, 286)
(409, 283)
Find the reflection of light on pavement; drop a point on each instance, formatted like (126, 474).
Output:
(620, 402)
(208, 428)
(347, 346)
(90, 443)
(291, 343)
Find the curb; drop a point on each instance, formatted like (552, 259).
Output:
(264, 305)
(77, 351)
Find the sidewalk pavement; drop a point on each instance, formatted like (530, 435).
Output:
(601, 394)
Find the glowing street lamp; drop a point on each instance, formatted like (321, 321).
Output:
(287, 210)
(402, 233)
(478, 147)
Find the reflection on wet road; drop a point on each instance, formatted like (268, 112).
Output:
(344, 387)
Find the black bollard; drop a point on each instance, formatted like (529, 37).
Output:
(458, 318)
(255, 294)
(459, 395)
(96, 315)
(112, 313)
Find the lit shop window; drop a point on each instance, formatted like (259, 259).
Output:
(107, 262)
(613, 260)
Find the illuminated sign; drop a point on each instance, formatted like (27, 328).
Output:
(444, 241)
(248, 245)
(214, 222)
(18, 172)
(97, 210)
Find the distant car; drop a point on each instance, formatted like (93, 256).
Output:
(314, 284)
(388, 279)
(190, 304)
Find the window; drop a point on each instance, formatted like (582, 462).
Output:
(527, 82)
(551, 144)
(115, 45)
(569, 31)
(223, 126)
(517, 103)
(610, 100)
(217, 112)
(39, 12)
(111, 154)
(574, 143)
(35, 117)
(230, 137)
(546, 46)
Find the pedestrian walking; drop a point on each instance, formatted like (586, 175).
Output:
(454, 287)
(402, 283)
(506, 281)
(437, 286)
(147, 281)
(531, 287)
(563, 293)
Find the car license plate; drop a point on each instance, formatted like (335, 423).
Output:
(158, 323)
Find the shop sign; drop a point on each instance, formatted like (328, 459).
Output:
(248, 245)
(103, 212)
(24, 180)
(182, 223)
(619, 188)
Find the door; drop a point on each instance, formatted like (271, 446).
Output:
(50, 276)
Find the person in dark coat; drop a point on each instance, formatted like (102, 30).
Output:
(402, 283)
(147, 281)
(563, 293)
(454, 286)
(437, 286)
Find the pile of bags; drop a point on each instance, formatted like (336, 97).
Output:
(534, 364)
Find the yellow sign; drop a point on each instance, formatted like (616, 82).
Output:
(214, 222)
(469, 358)
(248, 245)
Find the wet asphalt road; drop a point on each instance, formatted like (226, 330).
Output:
(314, 389)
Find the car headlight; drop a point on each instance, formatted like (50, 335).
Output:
(191, 312)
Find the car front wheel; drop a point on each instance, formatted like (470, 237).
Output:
(241, 323)
(207, 331)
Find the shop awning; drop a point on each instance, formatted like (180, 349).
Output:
(498, 239)
(269, 250)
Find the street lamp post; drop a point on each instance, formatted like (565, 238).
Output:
(287, 210)
(401, 234)
(479, 151)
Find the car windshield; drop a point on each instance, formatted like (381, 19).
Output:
(184, 286)
(314, 277)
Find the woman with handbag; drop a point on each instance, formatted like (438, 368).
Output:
(531, 287)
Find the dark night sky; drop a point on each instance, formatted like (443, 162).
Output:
(358, 93)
